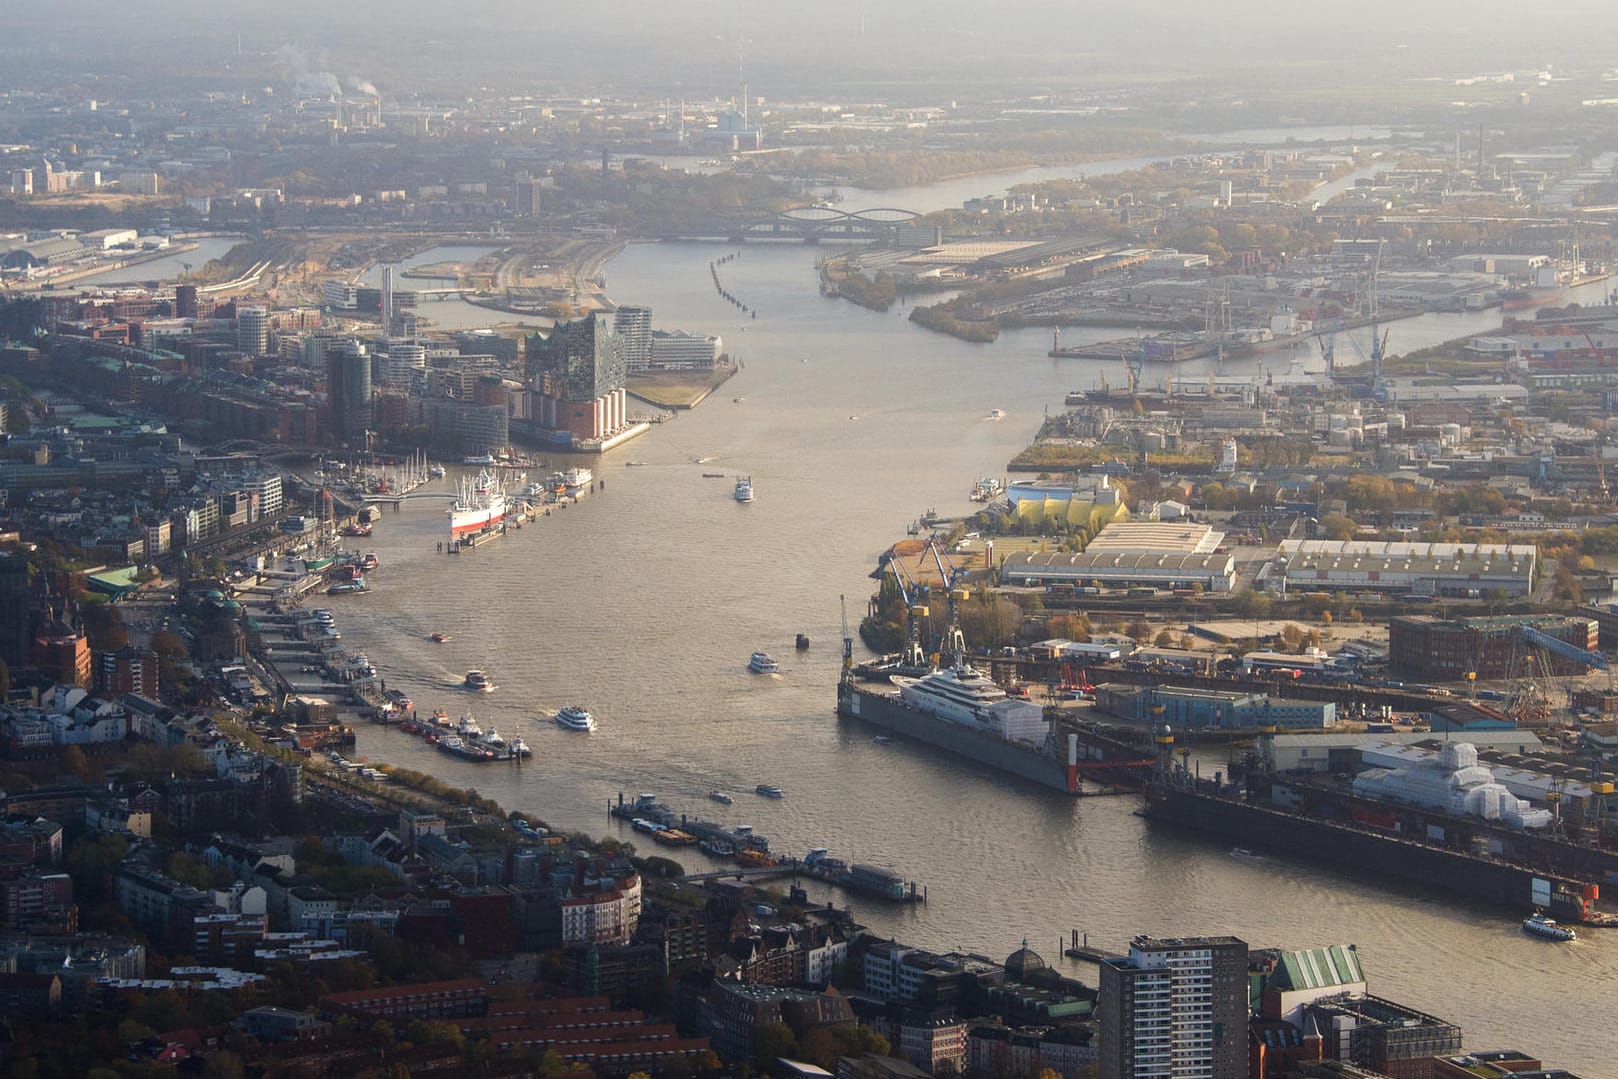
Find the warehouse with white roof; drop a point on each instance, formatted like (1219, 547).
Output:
(1433, 569)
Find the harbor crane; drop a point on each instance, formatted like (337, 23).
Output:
(848, 640)
(1134, 361)
(954, 641)
(1328, 348)
(1379, 340)
(1531, 704)
(1593, 660)
(914, 654)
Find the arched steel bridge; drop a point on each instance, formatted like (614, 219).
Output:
(821, 222)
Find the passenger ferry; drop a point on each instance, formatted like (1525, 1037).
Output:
(1540, 926)
(575, 718)
(744, 489)
(761, 663)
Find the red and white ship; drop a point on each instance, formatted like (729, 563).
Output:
(480, 505)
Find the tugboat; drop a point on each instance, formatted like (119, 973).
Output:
(518, 749)
(1538, 925)
(456, 747)
(368, 562)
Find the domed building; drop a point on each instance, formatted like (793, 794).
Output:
(1023, 962)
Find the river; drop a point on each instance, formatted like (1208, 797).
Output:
(644, 601)
(170, 266)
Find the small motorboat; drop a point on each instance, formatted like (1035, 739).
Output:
(803, 642)
(477, 682)
(438, 638)
(721, 797)
(770, 790)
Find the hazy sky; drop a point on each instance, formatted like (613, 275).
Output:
(647, 42)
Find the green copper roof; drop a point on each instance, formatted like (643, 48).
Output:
(1319, 968)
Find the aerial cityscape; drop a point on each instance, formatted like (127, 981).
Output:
(869, 541)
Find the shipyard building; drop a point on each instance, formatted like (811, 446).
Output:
(1448, 649)
(1343, 751)
(1181, 706)
(1430, 569)
(1133, 553)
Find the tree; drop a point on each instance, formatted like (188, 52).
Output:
(1335, 526)
(824, 1046)
(991, 621)
(75, 761)
(223, 1065)
(1291, 636)
(774, 1041)
(1138, 630)
(1165, 639)
(104, 626)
